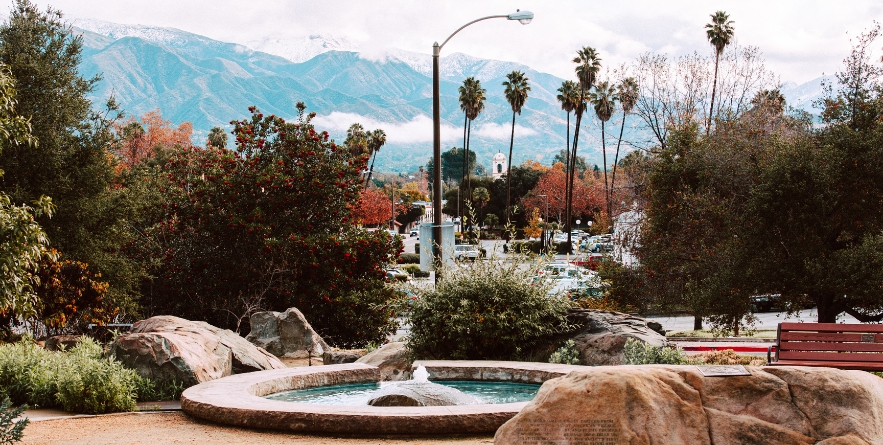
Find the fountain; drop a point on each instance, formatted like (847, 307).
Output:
(462, 397)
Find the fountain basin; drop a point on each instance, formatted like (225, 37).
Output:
(238, 400)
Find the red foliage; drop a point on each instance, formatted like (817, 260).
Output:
(587, 197)
(139, 140)
(375, 208)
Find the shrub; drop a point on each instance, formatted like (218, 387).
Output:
(637, 352)
(414, 271)
(488, 310)
(11, 431)
(79, 380)
(566, 355)
(727, 357)
(409, 258)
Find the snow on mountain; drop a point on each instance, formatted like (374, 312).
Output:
(165, 36)
(456, 65)
(802, 96)
(301, 50)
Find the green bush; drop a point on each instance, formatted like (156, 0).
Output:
(414, 271)
(79, 380)
(10, 431)
(488, 310)
(637, 352)
(566, 355)
(409, 258)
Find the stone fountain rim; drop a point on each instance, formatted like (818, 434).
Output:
(238, 400)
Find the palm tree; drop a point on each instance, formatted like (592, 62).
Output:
(627, 93)
(376, 139)
(588, 65)
(603, 100)
(719, 32)
(472, 98)
(569, 98)
(217, 137)
(516, 94)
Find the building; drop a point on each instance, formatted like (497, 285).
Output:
(498, 166)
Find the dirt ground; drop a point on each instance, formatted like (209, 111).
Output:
(178, 428)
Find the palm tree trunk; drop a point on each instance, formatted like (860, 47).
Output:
(616, 157)
(717, 56)
(466, 169)
(509, 172)
(465, 122)
(604, 158)
(570, 179)
(370, 171)
(567, 167)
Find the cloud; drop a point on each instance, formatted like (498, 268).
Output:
(502, 132)
(416, 131)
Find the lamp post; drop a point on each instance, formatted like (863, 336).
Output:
(523, 17)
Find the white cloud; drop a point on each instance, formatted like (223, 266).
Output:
(493, 130)
(416, 131)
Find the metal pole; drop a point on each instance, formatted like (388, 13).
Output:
(436, 165)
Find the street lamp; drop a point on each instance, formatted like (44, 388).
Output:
(523, 17)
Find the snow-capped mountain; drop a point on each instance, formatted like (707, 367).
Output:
(303, 49)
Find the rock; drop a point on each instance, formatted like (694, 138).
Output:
(285, 334)
(392, 359)
(677, 405)
(337, 357)
(412, 393)
(166, 348)
(603, 334)
(54, 343)
(246, 356)
(656, 326)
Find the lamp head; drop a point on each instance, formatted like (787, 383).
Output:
(523, 17)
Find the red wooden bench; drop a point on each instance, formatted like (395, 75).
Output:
(843, 346)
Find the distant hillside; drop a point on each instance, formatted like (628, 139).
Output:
(209, 83)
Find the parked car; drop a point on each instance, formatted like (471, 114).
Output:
(415, 232)
(466, 251)
(398, 275)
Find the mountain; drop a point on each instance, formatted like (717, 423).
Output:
(209, 83)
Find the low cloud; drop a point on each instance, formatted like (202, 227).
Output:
(416, 131)
(502, 132)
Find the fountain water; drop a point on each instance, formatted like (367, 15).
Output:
(419, 392)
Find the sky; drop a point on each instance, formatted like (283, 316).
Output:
(800, 40)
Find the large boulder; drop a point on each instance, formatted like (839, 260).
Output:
(603, 334)
(340, 356)
(285, 334)
(57, 342)
(392, 361)
(678, 405)
(167, 348)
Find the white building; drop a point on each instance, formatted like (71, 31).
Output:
(498, 166)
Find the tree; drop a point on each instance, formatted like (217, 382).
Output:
(376, 139)
(267, 227)
(23, 244)
(568, 96)
(627, 93)
(719, 32)
(580, 165)
(553, 184)
(217, 137)
(516, 92)
(143, 138)
(480, 197)
(71, 162)
(603, 100)
(472, 97)
(375, 208)
(588, 65)
(452, 164)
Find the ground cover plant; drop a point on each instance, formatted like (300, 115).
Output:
(486, 310)
(79, 380)
(11, 431)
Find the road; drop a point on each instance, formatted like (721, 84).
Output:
(766, 321)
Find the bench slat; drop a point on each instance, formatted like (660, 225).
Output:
(834, 337)
(830, 356)
(830, 346)
(832, 327)
(871, 366)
